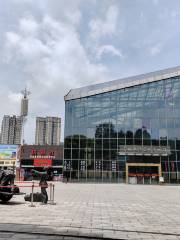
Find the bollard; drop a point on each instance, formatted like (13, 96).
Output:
(50, 193)
(32, 193)
(53, 202)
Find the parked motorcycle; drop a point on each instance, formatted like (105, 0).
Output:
(7, 186)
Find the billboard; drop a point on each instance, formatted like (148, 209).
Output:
(8, 152)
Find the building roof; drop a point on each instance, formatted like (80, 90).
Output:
(122, 83)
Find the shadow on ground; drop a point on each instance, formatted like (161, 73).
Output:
(29, 231)
(12, 203)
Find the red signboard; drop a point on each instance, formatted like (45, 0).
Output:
(42, 162)
(143, 175)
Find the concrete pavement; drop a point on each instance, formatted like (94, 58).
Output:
(114, 211)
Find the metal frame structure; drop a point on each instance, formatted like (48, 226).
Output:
(100, 117)
(122, 83)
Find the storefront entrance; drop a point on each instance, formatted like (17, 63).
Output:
(143, 173)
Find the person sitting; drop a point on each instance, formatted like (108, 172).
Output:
(7, 177)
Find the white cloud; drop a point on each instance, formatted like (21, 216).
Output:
(14, 97)
(155, 50)
(52, 46)
(53, 60)
(28, 26)
(105, 27)
(12, 38)
(108, 50)
(10, 102)
(20, 46)
(74, 17)
(55, 52)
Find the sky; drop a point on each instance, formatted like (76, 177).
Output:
(52, 46)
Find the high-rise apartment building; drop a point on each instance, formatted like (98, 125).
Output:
(48, 130)
(11, 129)
(40, 131)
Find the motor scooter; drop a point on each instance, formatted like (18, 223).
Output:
(7, 186)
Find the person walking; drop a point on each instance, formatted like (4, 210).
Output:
(43, 183)
(65, 177)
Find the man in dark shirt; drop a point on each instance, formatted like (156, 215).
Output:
(7, 177)
(43, 183)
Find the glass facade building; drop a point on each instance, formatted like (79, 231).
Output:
(125, 131)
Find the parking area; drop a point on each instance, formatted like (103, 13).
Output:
(116, 211)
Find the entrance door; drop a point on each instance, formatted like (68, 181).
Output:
(154, 180)
(147, 180)
(145, 173)
(140, 180)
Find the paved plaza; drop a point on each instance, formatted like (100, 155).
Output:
(116, 211)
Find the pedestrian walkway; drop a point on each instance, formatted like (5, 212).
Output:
(112, 211)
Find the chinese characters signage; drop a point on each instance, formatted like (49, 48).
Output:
(67, 165)
(144, 150)
(42, 153)
(98, 165)
(113, 166)
(82, 165)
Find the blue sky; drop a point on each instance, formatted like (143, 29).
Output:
(53, 46)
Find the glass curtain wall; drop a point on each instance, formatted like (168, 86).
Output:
(97, 127)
